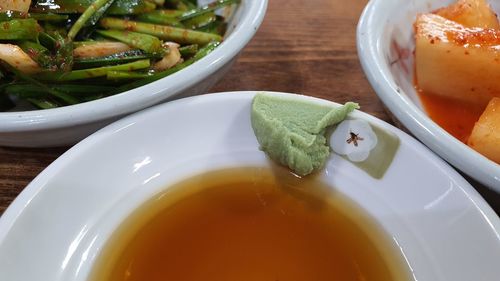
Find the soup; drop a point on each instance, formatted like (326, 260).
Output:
(249, 224)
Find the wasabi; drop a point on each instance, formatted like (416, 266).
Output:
(292, 131)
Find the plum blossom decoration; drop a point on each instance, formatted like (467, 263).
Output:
(353, 139)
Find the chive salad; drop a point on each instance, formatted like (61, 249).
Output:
(61, 52)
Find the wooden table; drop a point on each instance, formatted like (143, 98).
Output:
(305, 47)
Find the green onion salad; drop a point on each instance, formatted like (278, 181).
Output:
(61, 52)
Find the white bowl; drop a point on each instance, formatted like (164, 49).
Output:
(69, 124)
(384, 25)
(59, 223)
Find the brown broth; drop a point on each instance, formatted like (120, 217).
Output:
(249, 224)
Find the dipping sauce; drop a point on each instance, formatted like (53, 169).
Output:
(249, 224)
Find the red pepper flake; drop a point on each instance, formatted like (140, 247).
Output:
(32, 52)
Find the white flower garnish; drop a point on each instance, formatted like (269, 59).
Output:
(354, 139)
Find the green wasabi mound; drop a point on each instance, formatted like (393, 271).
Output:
(292, 131)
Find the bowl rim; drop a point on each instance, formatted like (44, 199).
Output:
(144, 96)
(418, 123)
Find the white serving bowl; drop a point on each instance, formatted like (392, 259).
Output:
(61, 221)
(385, 45)
(69, 124)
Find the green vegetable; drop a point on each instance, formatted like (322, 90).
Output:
(92, 21)
(81, 90)
(92, 72)
(200, 21)
(208, 8)
(151, 78)
(120, 7)
(219, 26)
(180, 35)
(26, 90)
(87, 14)
(148, 43)
(51, 28)
(43, 103)
(19, 29)
(47, 40)
(48, 17)
(62, 96)
(9, 15)
(38, 53)
(183, 5)
(118, 58)
(127, 75)
(188, 4)
(63, 57)
(188, 50)
(163, 17)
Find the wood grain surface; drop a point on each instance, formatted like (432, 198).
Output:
(306, 47)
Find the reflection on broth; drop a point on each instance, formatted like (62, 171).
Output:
(249, 224)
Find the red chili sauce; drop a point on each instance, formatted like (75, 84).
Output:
(456, 117)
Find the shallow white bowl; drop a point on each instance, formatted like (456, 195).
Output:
(67, 125)
(385, 45)
(60, 222)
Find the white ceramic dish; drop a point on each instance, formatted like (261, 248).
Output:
(58, 224)
(385, 45)
(67, 125)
